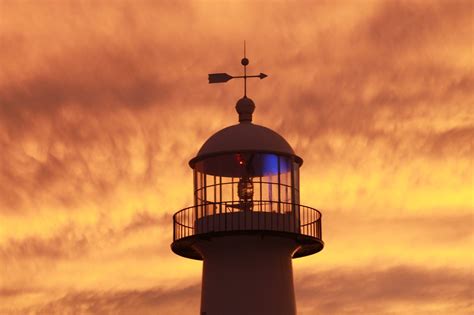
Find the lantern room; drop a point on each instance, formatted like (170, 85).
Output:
(245, 179)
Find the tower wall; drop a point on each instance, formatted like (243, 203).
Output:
(247, 274)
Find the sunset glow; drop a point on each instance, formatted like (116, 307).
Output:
(103, 103)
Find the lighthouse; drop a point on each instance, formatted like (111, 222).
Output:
(247, 222)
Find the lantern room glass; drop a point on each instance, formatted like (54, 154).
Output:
(246, 181)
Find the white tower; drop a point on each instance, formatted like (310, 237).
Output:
(246, 223)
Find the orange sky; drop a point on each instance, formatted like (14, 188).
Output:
(102, 104)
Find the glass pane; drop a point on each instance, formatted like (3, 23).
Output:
(296, 183)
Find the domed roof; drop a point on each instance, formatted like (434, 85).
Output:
(245, 137)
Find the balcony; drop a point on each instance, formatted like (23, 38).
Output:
(301, 223)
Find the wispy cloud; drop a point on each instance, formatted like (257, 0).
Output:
(153, 301)
(403, 289)
(102, 105)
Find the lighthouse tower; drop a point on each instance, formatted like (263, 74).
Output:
(247, 223)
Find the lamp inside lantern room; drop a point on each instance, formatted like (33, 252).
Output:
(245, 186)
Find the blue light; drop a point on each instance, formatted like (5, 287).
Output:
(270, 164)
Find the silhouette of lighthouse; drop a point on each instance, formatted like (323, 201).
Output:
(247, 223)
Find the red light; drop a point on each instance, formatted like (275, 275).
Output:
(240, 159)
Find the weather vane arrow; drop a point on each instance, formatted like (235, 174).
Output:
(224, 77)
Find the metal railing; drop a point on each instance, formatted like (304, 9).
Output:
(234, 216)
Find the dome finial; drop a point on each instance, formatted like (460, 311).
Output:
(245, 106)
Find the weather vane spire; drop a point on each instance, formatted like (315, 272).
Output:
(224, 77)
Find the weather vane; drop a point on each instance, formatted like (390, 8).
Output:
(224, 77)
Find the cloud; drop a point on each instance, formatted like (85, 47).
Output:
(455, 141)
(384, 81)
(99, 79)
(152, 301)
(383, 291)
(74, 242)
(406, 26)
